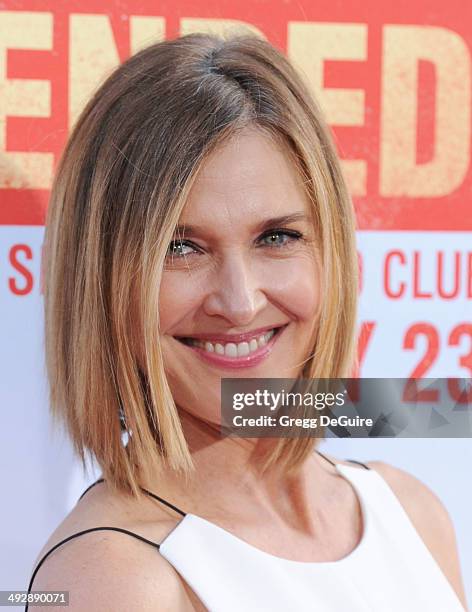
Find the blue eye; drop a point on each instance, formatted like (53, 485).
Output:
(178, 245)
(290, 235)
(176, 248)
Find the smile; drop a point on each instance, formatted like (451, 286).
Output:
(231, 354)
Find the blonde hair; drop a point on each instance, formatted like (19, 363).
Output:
(117, 195)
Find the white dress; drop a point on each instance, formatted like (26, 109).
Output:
(391, 569)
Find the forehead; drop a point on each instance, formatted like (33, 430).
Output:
(249, 176)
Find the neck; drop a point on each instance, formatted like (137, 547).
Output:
(228, 479)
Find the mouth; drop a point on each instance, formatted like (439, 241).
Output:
(231, 354)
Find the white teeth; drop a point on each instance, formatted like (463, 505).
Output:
(231, 350)
(243, 349)
(253, 345)
(234, 350)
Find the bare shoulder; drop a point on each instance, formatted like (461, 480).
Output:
(103, 572)
(429, 517)
(111, 570)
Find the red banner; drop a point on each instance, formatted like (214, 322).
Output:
(394, 80)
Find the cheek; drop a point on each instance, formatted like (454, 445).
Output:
(178, 295)
(299, 288)
(295, 284)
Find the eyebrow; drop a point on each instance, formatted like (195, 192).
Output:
(193, 230)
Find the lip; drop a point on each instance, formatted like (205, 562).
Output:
(236, 338)
(247, 361)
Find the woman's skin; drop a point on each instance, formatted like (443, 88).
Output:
(232, 280)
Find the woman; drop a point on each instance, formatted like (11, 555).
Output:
(200, 228)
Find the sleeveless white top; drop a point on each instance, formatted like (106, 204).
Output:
(391, 569)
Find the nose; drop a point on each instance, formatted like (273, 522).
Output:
(236, 291)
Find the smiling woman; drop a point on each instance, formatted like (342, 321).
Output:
(200, 227)
(172, 189)
(245, 292)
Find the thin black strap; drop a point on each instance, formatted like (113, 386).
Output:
(76, 535)
(325, 457)
(350, 460)
(164, 501)
(131, 533)
(153, 495)
(92, 485)
(363, 464)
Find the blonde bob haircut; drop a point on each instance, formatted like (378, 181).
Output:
(118, 191)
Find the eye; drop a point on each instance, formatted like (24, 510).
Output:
(273, 237)
(177, 248)
(276, 238)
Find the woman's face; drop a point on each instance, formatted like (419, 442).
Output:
(234, 273)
